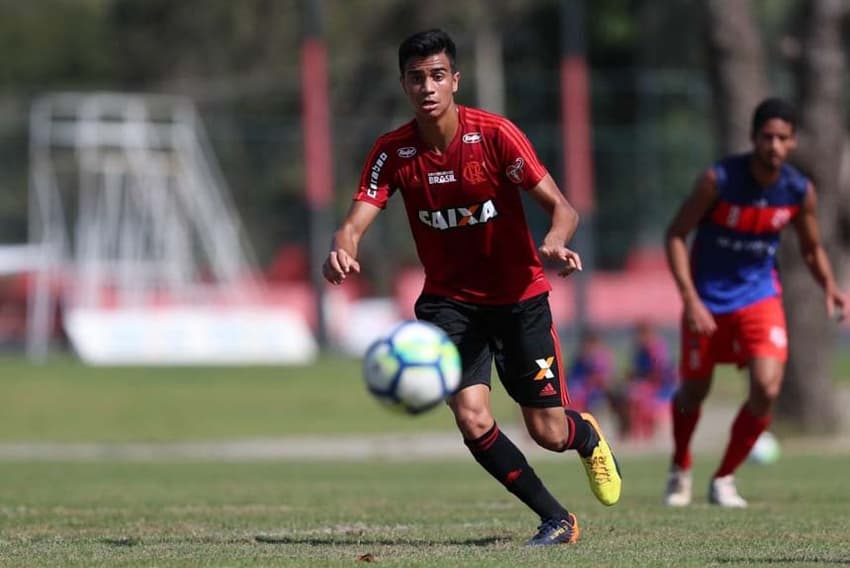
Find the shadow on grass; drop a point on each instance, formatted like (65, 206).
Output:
(318, 541)
(129, 541)
(783, 560)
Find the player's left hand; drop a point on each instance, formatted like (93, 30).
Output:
(339, 265)
(560, 253)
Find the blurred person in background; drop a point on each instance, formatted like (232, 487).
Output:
(730, 289)
(460, 172)
(650, 382)
(591, 374)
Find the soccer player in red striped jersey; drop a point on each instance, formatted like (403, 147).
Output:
(730, 289)
(460, 172)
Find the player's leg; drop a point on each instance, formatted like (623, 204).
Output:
(686, 408)
(686, 411)
(490, 447)
(561, 429)
(497, 454)
(754, 416)
(558, 429)
(696, 368)
(763, 342)
(529, 363)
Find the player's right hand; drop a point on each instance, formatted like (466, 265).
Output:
(698, 318)
(559, 253)
(338, 266)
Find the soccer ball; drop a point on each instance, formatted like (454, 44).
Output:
(766, 450)
(413, 368)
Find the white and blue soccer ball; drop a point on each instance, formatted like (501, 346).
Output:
(766, 449)
(413, 368)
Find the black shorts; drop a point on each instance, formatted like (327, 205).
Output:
(520, 337)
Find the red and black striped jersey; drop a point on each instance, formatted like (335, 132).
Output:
(464, 206)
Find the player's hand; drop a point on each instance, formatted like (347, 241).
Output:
(560, 253)
(698, 318)
(338, 266)
(837, 305)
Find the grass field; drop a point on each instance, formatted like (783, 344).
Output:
(64, 401)
(404, 514)
(108, 511)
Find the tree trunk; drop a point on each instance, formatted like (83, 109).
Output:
(489, 66)
(808, 394)
(737, 69)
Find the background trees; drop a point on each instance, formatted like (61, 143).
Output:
(673, 85)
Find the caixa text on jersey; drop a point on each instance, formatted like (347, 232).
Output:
(452, 217)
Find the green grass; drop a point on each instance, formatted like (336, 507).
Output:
(297, 513)
(404, 514)
(65, 401)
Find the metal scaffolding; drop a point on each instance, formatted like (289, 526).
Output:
(128, 209)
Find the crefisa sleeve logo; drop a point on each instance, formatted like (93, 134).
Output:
(516, 171)
(375, 174)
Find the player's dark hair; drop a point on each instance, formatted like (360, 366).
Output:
(773, 107)
(423, 44)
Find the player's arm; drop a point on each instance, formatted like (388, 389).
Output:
(690, 212)
(806, 224)
(564, 224)
(342, 257)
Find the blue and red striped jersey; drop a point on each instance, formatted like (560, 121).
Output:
(733, 256)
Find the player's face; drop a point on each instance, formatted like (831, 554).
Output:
(430, 85)
(773, 142)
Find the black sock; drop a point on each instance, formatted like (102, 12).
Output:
(502, 459)
(583, 437)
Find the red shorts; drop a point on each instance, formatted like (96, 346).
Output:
(757, 330)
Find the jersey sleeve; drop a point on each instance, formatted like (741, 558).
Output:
(721, 177)
(376, 178)
(800, 184)
(517, 157)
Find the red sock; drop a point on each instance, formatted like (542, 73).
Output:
(684, 424)
(746, 429)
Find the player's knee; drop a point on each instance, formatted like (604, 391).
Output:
(763, 397)
(473, 422)
(550, 440)
(771, 391)
(549, 435)
(766, 386)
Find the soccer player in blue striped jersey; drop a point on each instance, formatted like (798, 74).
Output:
(731, 292)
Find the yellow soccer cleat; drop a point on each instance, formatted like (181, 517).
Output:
(603, 471)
